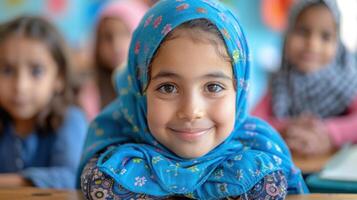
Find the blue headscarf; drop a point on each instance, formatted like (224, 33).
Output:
(142, 165)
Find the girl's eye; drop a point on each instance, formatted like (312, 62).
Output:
(326, 36)
(36, 70)
(214, 88)
(6, 70)
(167, 89)
(108, 37)
(302, 31)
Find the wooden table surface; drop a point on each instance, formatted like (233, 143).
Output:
(31, 193)
(311, 164)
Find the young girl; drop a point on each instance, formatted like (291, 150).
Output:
(312, 100)
(180, 126)
(117, 20)
(41, 134)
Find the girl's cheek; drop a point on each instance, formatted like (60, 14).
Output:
(159, 111)
(223, 110)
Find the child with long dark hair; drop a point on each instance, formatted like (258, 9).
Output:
(41, 132)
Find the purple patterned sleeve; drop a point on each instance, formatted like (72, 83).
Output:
(97, 185)
(272, 186)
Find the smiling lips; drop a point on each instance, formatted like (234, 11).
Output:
(20, 102)
(190, 134)
(309, 57)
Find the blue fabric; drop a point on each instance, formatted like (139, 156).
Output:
(142, 165)
(49, 161)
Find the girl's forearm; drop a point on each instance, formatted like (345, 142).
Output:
(13, 180)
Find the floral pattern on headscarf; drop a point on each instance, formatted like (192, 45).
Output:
(141, 164)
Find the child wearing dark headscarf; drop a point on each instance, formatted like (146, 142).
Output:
(312, 100)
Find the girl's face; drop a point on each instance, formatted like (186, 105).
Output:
(28, 77)
(312, 43)
(113, 42)
(190, 97)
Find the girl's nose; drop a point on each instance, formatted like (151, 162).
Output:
(22, 81)
(313, 42)
(191, 107)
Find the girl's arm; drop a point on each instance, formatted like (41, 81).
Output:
(97, 185)
(264, 111)
(343, 129)
(65, 155)
(272, 186)
(13, 180)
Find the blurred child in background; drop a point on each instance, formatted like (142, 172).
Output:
(41, 132)
(117, 21)
(312, 99)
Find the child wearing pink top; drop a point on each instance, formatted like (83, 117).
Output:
(116, 23)
(312, 99)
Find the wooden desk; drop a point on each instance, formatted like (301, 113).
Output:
(323, 196)
(311, 164)
(31, 193)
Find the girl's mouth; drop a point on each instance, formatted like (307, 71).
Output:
(190, 134)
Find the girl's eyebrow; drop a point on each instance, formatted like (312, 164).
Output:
(217, 74)
(167, 74)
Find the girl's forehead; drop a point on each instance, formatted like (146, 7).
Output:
(314, 9)
(318, 16)
(199, 31)
(24, 50)
(188, 62)
(302, 6)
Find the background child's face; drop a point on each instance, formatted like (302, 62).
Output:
(28, 77)
(113, 42)
(313, 41)
(190, 97)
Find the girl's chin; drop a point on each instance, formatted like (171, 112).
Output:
(192, 154)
